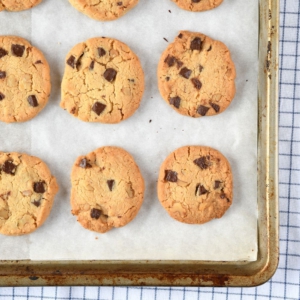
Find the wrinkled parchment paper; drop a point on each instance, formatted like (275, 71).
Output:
(58, 138)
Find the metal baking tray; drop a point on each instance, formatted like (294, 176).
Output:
(194, 273)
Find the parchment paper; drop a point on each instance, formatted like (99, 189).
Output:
(58, 138)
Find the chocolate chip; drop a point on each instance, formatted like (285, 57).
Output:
(180, 35)
(73, 110)
(197, 83)
(167, 78)
(196, 44)
(179, 64)
(39, 187)
(200, 68)
(200, 190)
(222, 196)
(110, 74)
(92, 64)
(119, 3)
(32, 101)
(202, 110)
(38, 62)
(37, 203)
(217, 184)
(185, 72)
(175, 101)
(3, 52)
(17, 50)
(171, 176)
(101, 52)
(71, 61)
(110, 184)
(98, 108)
(196, 1)
(2, 96)
(96, 213)
(216, 107)
(170, 60)
(84, 164)
(9, 168)
(209, 49)
(202, 162)
(2, 74)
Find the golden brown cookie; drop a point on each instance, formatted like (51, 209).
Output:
(106, 10)
(18, 5)
(197, 5)
(27, 191)
(103, 81)
(196, 75)
(24, 80)
(195, 184)
(107, 189)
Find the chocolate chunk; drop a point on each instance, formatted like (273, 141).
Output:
(9, 168)
(84, 164)
(101, 52)
(110, 184)
(180, 35)
(179, 64)
(39, 187)
(119, 3)
(200, 190)
(222, 196)
(32, 101)
(92, 65)
(185, 72)
(202, 110)
(202, 162)
(71, 61)
(175, 101)
(217, 184)
(196, 44)
(216, 107)
(171, 176)
(209, 49)
(197, 83)
(98, 108)
(3, 52)
(37, 203)
(170, 60)
(167, 78)
(110, 74)
(2, 74)
(196, 1)
(38, 62)
(96, 213)
(200, 68)
(2, 96)
(17, 50)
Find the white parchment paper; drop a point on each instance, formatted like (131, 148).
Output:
(58, 138)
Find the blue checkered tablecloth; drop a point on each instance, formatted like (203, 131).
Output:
(286, 282)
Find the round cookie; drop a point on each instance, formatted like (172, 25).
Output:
(196, 75)
(17, 5)
(27, 191)
(103, 81)
(195, 184)
(24, 80)
(197, 5)
(106, 10)
(107, 189)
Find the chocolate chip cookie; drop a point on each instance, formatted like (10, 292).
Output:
(27, 191)
(106, 10)
(107, 189)
(24, 80)
(196, 75)
(103, 81)
(195, 184)
(17, 5)
(197, 5)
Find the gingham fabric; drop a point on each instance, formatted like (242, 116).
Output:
(286, 282)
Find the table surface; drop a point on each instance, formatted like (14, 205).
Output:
(285, 284)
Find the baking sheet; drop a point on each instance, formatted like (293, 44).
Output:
(58, 138)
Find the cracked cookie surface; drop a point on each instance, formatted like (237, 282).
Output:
(197, 5)
(24, 80)
(196, 75)
(195, 184)
(105, 10)
(103, 81)
(17, 5)
(107, 189)
(27, 191)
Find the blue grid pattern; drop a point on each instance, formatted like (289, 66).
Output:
(286, 282)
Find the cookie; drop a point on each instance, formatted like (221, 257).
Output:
(103, 81)
(17, 5)
(104, 10)
(195, 184)
(107, 189)
(27, 191)
(196, 75)
(197, 5)
(24, 80)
